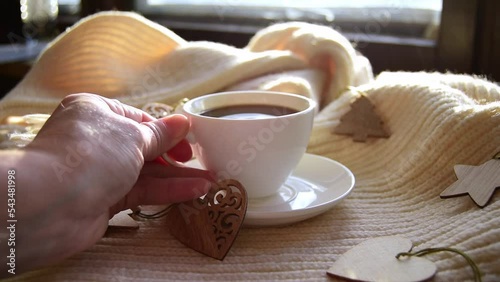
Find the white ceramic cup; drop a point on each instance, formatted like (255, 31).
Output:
(261, 153)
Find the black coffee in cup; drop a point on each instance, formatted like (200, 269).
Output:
(249, 111)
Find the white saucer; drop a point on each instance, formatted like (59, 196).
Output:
(316, 185)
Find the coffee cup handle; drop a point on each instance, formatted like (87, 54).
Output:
(183, 171)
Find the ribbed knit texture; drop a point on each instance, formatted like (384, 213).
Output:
(436, 121)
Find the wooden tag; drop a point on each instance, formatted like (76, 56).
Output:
(479, 182)
(210, 224)
(361, 121)
(375, 260)
(123, 220)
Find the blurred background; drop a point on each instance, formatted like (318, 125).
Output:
(431, 35)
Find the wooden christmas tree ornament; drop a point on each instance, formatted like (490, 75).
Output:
(479, 182)
(361, 121)
(210, 224)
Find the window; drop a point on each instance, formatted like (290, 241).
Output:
(69, 6)
(389, 17)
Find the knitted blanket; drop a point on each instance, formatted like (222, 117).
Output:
(436, 120)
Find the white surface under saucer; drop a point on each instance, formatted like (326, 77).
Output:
(315, 186)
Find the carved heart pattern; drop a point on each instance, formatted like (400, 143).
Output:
(210, 224)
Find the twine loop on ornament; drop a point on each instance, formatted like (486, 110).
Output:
(156, 215)
(423, 252)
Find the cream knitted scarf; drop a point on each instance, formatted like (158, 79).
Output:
(436, 121)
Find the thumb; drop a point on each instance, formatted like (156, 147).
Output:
(163, 134)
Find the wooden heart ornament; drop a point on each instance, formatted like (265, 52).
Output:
(210, 224)
(375, 260)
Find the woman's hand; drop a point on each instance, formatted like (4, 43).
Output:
(93, 157)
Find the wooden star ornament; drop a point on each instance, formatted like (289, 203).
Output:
(479, 182)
